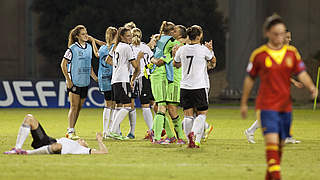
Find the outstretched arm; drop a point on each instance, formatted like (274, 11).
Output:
(102, 148)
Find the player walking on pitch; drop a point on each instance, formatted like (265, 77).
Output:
(193, 59)
(275, 62)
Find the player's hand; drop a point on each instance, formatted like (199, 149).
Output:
(244, 111)
(69, 84)
(314, 93)
(209, 45)
(175, 49)
(132, 83)
(90, 38)
(99, 136)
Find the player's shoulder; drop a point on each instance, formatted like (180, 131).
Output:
(258, 51)
(295, 51)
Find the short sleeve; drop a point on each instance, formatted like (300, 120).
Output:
(208, 55)
(253, 66)
(68, 54)
(177, 58)
(299, 64)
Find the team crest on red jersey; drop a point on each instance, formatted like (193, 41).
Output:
(289, 62)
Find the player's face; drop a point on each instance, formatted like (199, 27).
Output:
(176, 32)
(288, 38)
(83, 35)
(127, 37)
(277, 34)
(82, 142)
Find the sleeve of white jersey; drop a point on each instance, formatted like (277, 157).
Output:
(208, 54)
(68, 54)
(177, 56)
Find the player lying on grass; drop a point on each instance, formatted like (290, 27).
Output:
(43, 144)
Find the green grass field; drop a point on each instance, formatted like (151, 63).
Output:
(226, 155)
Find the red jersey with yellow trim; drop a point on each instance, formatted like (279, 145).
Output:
(275, 67)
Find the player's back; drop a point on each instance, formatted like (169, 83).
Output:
(193, 60)
(121, 57)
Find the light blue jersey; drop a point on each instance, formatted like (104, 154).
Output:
(79, 65)
(105, 70)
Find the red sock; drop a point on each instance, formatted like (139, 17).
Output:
(280, 153)
(273, 161)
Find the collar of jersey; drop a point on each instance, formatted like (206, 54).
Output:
(79, 45)
(277, 55)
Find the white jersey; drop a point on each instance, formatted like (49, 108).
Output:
(121, 58)
(148, 54)
(72, 147)
(193, 59)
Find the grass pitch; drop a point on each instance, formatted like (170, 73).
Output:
(226, 155)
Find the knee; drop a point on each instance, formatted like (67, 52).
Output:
(56, 148)
(29, 119)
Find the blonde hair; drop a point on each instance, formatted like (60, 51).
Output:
(111, 33)
(74, 33)
(130, 25)
(136, 36)
(165, 28)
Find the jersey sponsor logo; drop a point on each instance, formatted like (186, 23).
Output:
(268, 62)
(43, 94)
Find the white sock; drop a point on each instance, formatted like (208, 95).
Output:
(147, 116)
(132, 120)
(106, 118)
(70, 130)
(22, 135)
(198, 126)
(253, 127)
(41, 150)
(187, 124)
(119, 118)
(115, 111)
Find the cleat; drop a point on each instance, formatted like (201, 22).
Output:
(12, 151)
(72, 136)
(151, 135)
(148, 136)
(115, 136)
(196, 145)
(291, 140)
(162, 142)
(171, 140)
(207, 132)
(191, 140)
(181, 141)
(21, 151)
(106, 135)
(250, 137)
(131, 136)
(163, 133)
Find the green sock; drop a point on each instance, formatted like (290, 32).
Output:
(178, 127)
(158, 125)
(167, 128)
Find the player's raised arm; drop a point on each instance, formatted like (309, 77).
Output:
(95, 49)
(102, 148)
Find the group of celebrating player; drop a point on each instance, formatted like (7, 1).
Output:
(171, 70)
(129, 68)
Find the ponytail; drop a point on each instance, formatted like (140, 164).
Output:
(137, 35)
(111, 34)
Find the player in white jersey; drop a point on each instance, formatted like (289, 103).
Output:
(43, 144)
(193, 58)
(143, 84)
(120, 57)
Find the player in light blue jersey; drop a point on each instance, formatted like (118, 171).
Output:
(104, 78)
(77, 69)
